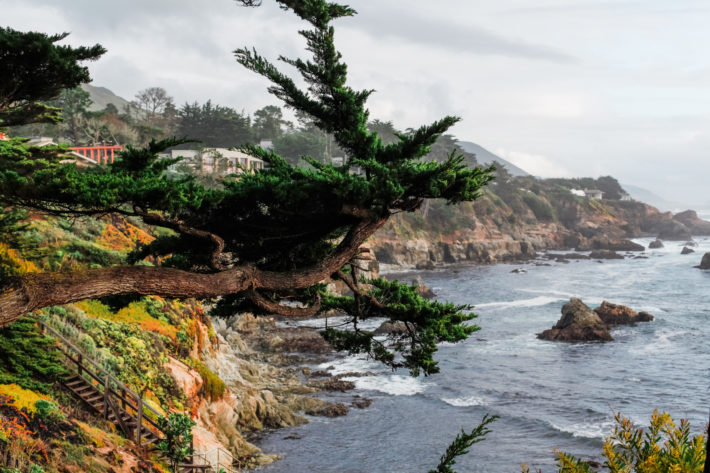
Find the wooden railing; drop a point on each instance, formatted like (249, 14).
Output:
(120, 399)
(220, 459)
(98, 154)
(116, 394)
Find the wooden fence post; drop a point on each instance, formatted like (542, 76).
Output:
(107, 393)
(139, 423)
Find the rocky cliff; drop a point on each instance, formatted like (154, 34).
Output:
(514, 219)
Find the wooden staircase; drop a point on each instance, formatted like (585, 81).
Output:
(98, 402)
(107, 396)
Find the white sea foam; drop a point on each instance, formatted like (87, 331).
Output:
(534, 302)
(590, 430)
(395, 385)
(464, 401)
(349, 364)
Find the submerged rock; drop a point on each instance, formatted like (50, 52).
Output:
(605, 254)
(617, 314)
(577, 324)
(655, 244)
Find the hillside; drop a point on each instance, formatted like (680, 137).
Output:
(101, 97)
(519, 216)
(232, 378)
(485, 157)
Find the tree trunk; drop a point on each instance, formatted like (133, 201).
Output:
(35, 291)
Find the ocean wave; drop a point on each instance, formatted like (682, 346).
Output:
(349, 364)
(464, 401)
(534, 302)
(589, 430)
(394, 385)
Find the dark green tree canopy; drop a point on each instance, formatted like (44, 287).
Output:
(214, 125)
(262, 238)
(34, 69)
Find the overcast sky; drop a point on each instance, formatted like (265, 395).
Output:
(558, 87)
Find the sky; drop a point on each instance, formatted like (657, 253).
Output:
(565, 88)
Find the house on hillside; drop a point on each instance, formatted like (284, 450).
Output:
(593, 194)
(217, 160)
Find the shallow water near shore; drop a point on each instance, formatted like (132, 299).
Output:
(548, 395)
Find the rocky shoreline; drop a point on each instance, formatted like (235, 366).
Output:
(411, 241)
(268, 385)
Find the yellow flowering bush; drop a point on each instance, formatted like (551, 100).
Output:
(665, 447)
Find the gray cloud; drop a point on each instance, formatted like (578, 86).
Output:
(447, 34)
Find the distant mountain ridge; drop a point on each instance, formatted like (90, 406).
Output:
(644, 195)
(483, 156)
(101, 97)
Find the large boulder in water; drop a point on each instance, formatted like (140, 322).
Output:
(577, 324)
(617, 314)
(686, 251)
(705, 262)
(655, 244)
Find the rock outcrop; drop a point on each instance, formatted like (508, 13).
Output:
(605, 254)
(496, 230)
(674, 230)
(617, 314)
(705, 262)
(695, 225)
(655, 244)
(605, 243)
(578, 323)
(255, 358)
(686, 251)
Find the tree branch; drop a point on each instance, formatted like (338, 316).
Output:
(34, 291)
(356, 290)
(284, 310)
(217, 241)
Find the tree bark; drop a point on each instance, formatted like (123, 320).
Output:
(35, 291)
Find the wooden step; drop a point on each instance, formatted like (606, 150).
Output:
(91, 399)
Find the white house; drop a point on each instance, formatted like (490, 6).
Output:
(218, 160)
(593, 194)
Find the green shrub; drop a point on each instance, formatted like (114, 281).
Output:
(665, 447)
(28, 358)
(542, 210)
(176, 446)
(214, 387)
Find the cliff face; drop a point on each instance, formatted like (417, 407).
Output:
(515, 219)
(265, 386)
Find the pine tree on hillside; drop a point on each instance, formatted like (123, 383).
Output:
(264, 238)
(35, 70)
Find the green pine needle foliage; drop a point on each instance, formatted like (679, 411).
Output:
(28, 358)
(462, 443)
(425, 322)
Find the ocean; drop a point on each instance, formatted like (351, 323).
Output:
(548, 395)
